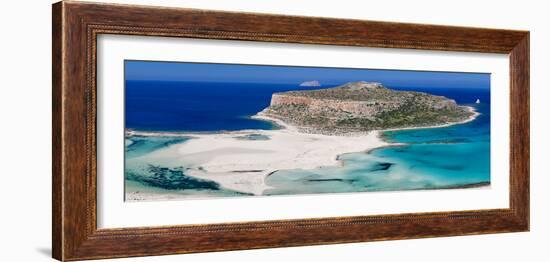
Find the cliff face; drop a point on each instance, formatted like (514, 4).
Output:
(318, 105)
(362, 106)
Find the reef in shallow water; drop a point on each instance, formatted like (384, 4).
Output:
(170, 178)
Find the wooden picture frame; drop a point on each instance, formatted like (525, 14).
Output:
(76, 26)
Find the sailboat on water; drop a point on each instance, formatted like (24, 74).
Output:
(477, 101)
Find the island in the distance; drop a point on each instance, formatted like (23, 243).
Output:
(363, 106)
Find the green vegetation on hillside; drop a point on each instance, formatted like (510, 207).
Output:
(363, 106)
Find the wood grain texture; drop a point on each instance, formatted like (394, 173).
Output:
(519, 129)
(57, 195)
(76, 26)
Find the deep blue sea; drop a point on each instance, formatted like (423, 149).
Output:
(189, 106)
(431, 158)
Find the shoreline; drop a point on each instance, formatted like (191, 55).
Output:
(290, 128)
(278, 122)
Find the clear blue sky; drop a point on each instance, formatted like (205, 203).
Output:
(237, 73)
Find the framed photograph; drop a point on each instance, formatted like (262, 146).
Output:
(181, 130)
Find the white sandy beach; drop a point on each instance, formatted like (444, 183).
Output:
(243, 164)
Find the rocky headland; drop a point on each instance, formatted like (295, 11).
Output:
(363, 106)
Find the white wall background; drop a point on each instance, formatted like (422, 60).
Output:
(25, 148)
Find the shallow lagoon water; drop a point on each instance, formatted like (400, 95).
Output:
(449, 157)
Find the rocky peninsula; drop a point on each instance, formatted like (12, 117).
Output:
(363, 106)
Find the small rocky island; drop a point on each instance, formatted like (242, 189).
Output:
(363, 106)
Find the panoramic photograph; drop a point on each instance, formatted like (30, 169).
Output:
(212, 130)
